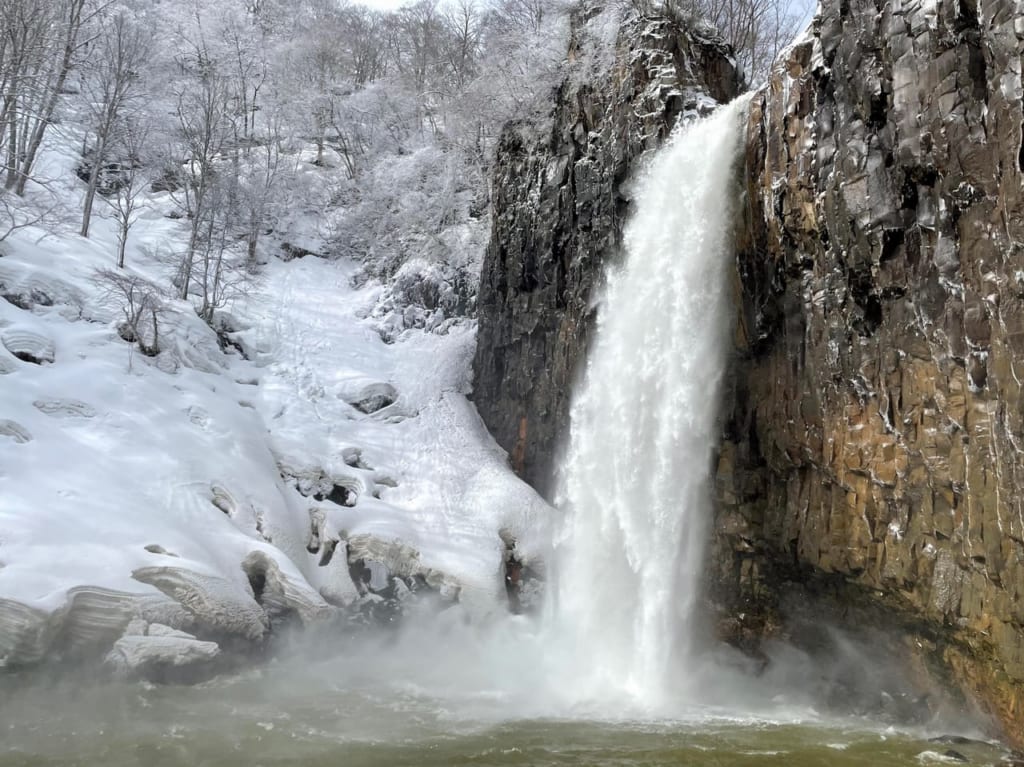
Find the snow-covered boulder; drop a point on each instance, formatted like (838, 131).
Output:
(155, 651)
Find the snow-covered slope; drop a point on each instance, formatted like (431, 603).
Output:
(167, 488)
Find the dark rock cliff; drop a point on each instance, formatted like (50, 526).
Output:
(873, 457)
(871, 471)
(560, 200)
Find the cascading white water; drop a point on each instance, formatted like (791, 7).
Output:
(635, 480)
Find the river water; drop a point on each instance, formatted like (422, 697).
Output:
(299, 712)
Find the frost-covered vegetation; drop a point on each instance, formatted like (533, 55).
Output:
(238, 252)
(224, 105)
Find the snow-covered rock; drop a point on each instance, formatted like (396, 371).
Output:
(157, 651)
(220, 495)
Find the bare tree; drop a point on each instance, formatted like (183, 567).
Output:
(205, 118)
(364, 30)
(756, 29)
(322, 67)
(246, 63)
(140, 303)
(26, 50)
(524, 16)
(132, 179)
(464, 25)
(112, 82)
(68, 17)
(259, 189)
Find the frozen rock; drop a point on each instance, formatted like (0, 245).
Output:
(28, 345)
(65, 408)
(160, 630)
(14, 430)
(159, 655)
(374, 397)
(219, 605)
(281, 593)
(26, 634)
(381, 559)
(93, 618)
(34, 289)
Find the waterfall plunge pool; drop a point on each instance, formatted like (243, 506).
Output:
(353, 714)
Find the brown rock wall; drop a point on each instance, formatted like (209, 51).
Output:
(876, 425)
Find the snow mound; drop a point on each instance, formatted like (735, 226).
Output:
(152, 650)
(15, 431)
(28, 345)
(221, 493)
(65, 408)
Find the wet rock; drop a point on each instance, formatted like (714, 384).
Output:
(875, 410)
(374, 397)
(903, 708)
(524, 586)
(561, 196)
(957, 740)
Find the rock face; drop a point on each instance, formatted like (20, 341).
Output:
(872, 452)
(560, 200)
(871, 468)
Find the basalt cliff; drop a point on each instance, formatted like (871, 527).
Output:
(871, 468)
(561, 197)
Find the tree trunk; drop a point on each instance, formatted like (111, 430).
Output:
(122, 243)
(90, 197)
(50, 105)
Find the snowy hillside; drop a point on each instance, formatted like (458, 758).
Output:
(214, 492)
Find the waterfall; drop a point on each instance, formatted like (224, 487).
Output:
(635, 481)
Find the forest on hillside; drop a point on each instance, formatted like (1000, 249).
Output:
(224, 105)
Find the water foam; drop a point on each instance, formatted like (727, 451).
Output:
(635, 480)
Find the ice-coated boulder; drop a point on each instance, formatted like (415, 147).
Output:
(28, 345)
(155, 651)
(219, 605)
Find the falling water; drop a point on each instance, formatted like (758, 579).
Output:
(635, 482)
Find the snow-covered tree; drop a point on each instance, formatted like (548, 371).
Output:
(111, 80)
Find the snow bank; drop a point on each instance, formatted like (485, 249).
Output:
(212, 493)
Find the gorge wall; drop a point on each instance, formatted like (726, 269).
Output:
(872, 457)
(871, 464)
(560, 201)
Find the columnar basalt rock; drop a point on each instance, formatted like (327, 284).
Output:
(560, 200)
(872, 461)
(874, 444)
